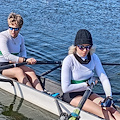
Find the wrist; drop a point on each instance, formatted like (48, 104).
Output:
(110, 97)
(87, 83)
(24, 59)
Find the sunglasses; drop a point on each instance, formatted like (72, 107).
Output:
(16, 29)
(81, 47)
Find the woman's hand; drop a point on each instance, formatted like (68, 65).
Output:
(31, 60)
(92, 80)
(107, 102)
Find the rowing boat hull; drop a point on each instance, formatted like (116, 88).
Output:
(43, 100)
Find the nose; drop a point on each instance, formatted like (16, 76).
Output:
(85, 49)
(13, 30)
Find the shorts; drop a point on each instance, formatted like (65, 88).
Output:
(67, 97)
(2, 64)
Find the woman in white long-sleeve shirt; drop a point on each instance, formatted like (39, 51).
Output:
(77, 69)
(12, 50)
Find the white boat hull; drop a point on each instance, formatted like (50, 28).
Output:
(42, 100)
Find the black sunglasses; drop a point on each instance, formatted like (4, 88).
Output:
(81, 47)
(16, 29)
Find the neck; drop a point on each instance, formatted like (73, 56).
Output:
(80, 60)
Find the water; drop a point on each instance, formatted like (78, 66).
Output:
(50, 27)
(14, 108)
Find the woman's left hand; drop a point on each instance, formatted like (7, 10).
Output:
(107, 102)
(31, 61)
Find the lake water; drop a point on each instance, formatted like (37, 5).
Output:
(50, 27)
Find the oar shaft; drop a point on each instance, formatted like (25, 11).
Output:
(6, 66)
(110, 64)
(59, 62)
(75, 114)
(84, 98)
(12, 65)
(48, 62)
(49, 71)
(114, 93)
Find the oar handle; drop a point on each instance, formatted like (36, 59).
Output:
(12, 65)
(20, 64)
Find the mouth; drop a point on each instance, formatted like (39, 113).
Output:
(84, 54)
(13, 33)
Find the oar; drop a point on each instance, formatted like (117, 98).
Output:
(12, 65)
(20, 64)
(114, 93)
(59, 62)
(48, 62)
(75, 114)
(47, 72)
(110, 63)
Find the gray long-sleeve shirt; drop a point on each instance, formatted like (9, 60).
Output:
(9, 47)
(73, 70)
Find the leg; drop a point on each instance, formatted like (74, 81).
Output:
(97, 99)
(114, 113)
(32, 77)
(18, 74)
(92, 107)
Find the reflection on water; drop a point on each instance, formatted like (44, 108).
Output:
(14, 108)
(11, 114)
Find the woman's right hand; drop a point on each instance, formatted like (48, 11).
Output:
(92, 80)
(31, 61)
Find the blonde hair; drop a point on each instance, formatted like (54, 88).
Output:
(72, 50)
(15, 19)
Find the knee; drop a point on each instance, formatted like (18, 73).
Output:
(19, 71)
(31, 72)
(108, 113)
(112, 110)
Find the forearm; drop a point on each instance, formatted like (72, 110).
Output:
(106, 86)
(21, 59)
(103, 78)
(74, 87)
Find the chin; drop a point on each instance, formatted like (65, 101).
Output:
(13, 36)
(84, 55)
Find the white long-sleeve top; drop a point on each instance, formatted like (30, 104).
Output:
(73, 70)
(9, 45)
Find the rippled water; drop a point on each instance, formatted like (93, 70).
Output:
(50, 27)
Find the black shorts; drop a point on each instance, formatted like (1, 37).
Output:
(67, 97)
(2, 64)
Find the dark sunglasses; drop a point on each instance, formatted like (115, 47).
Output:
(16, 29)
(81, 47)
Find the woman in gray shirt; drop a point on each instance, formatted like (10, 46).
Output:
(78, 69)
(12, 50)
